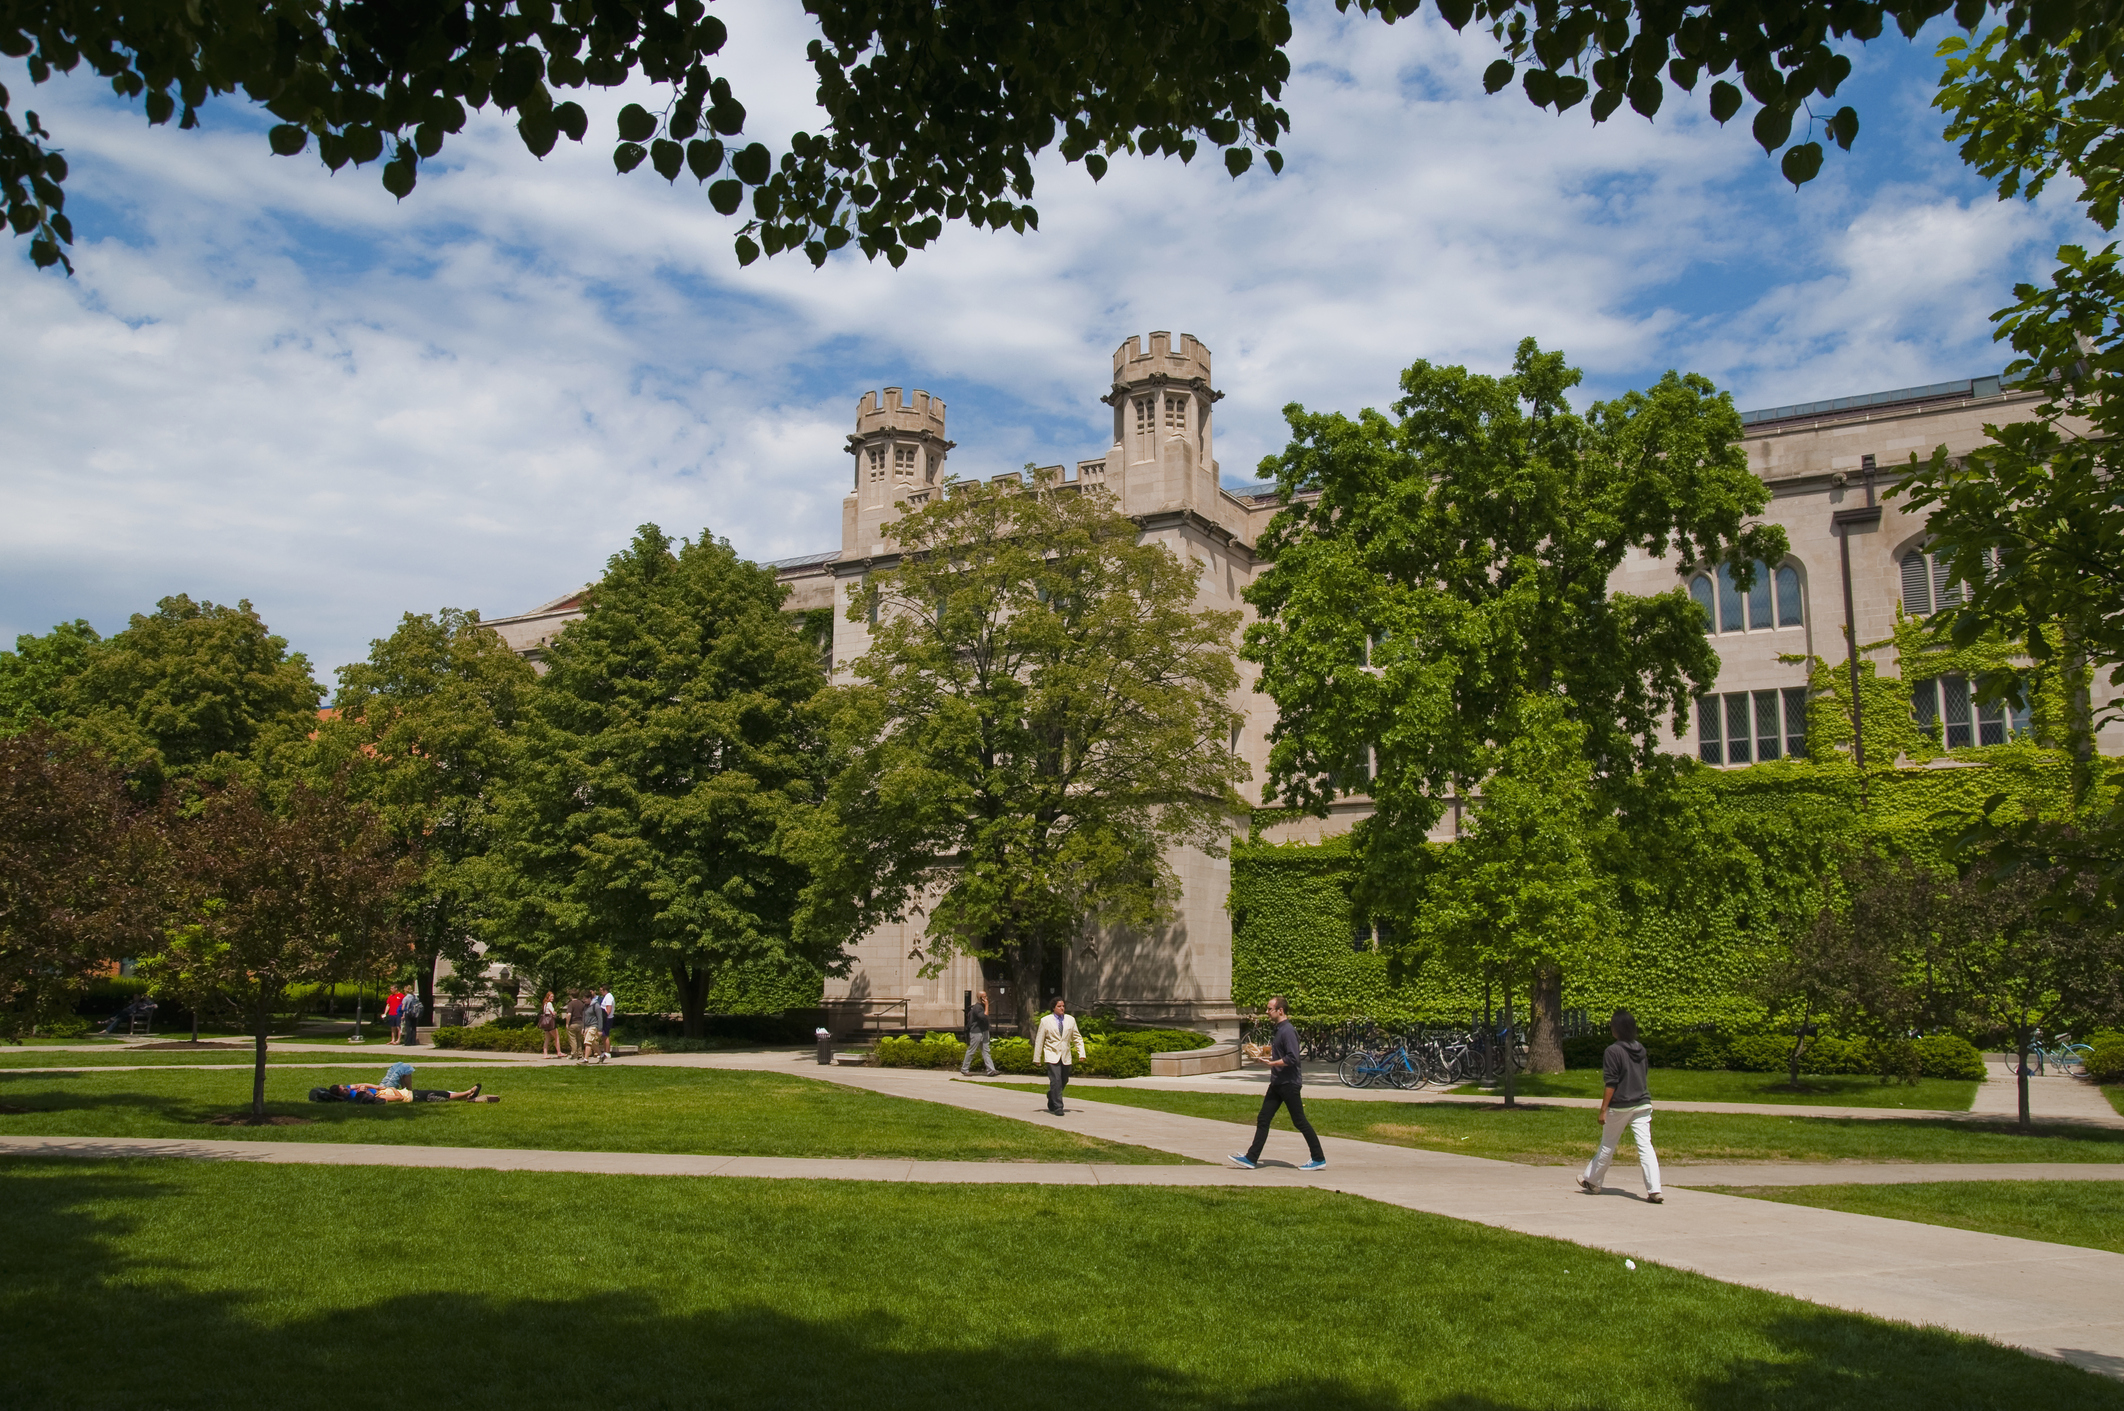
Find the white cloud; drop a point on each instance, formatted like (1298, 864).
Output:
(273, 382)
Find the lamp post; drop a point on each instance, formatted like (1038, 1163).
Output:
(1844, 522)
(356, 1037)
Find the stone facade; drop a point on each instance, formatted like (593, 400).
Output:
(1827, 465)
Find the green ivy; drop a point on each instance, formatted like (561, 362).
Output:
(1679, 964)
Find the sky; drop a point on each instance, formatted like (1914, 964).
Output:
(266, 381)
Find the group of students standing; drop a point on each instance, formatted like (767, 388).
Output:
(586, 1019)
(402, 1012)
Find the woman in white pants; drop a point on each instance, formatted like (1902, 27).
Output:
(1626, 1101)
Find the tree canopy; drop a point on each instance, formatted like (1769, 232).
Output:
(1041, 714)
(932, 113)
(425, 733)
(667, 765)
(193, 690)
(1437, 603)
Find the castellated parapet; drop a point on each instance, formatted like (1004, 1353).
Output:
(922, 414)
(1161, 364)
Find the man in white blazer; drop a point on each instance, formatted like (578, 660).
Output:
(1053, 1043)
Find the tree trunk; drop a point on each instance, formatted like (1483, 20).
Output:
(261, 1017)
(1510, 1099)
(1545, 1021)
(692, 987)
(1799, 1045)
(1027, 958)
(2021, 1070)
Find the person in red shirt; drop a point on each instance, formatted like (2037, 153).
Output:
(391, 1008)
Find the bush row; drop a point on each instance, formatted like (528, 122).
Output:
(1102, 1058)
(2106, 1063)
(490, 1038)
(1940, 1056)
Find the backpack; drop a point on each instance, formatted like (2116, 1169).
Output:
(410, 1011)
(336, 1093)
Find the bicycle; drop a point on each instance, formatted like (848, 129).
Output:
(1396, 1068)
(2060, 1052)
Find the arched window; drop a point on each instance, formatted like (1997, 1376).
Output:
(1700, 589)
(1788, 597)
(1772, 600)
(1927, 586)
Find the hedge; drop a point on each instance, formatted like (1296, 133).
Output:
(2106, 1063)
(1941, 1056)
(490, 1038)
(941, 1050)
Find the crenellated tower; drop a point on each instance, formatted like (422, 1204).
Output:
(1163, 456)
(899, 449)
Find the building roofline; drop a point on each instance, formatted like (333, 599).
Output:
(1966, 389)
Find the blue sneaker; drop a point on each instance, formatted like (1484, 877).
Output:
(1314, 1166)
(1247, 1161)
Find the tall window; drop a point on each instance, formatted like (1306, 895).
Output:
(877, 462)
(1772, 600)
(1742, 727)
(1948, 703)
(1146, 415)
(1175, 412)
(903, 461)
(1926, 585)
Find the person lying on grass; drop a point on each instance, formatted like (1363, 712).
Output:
(377, 1092)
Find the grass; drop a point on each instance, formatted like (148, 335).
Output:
(1542, 1136)
(1690, 1085)
(2085, 1213)
(563, 1108)
(272, 1285)
(2115, 1093)
(373, 1057)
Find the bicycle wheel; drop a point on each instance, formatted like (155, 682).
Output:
(1405, 1072)
(2074, 1059)
(1351, 1071)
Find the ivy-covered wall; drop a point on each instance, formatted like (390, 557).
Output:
(1676, 965)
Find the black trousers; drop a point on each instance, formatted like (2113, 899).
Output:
(1283, 1095)
(1057, 1080)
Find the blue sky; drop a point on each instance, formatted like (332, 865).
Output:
(270, 382)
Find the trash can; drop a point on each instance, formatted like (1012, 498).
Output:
(825, 1047)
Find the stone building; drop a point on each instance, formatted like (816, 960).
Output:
(1854, 556)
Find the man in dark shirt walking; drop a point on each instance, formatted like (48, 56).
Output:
(1625, 1102)
(1284, 1081)
(977, 1036)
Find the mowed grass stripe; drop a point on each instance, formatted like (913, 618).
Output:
(561, 1108)
(2085, 1213)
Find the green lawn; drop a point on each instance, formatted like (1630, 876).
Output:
(377, 1056)
(567, 1108)
(291, 1285)
(1540, 1135)
(2115, 1093)
(1689, 1085)
(2087, 1213)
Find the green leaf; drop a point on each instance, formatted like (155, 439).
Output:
(399, 175)
(286, 139)
(1497, 75)
(1646, 94)
(1095, 164)
(629, 155)
(1773, 128)
(571, 119)
(1237, 160)
(539, 132)
(1802, 164)
(704, 157)
(724, 196)
(667, 157)
(1274, 159)
(1725, 101)
(1843, 127)
(747, 252)
(635, 123)
(752, 164)
(1605, 103)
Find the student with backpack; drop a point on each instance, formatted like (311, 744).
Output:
(409, 1018)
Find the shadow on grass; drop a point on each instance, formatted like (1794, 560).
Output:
(90, 1324)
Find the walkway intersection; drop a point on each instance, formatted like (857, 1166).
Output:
(2065, 1302)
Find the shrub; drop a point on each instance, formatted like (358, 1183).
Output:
(1114, 1060)
(2106, 1063)
(1949, 1056)
(489, 1038)
(66, 1026)
(1098, 1029)
(939, 1050)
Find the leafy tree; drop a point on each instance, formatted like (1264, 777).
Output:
(2012, 963)
(80, 874)
(192, 691)
(34, 675)
(933, 114)
(424, 733)
(1434, 574)
(270, 900)
(1522, 889)
(1041, 715)
(668, 761)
